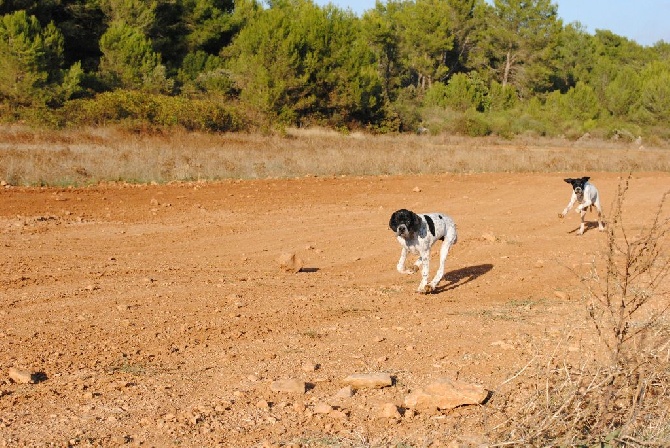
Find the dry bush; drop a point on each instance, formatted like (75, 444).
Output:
(112, 154)
(619, 394)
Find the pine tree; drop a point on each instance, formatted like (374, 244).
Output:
(32, 59)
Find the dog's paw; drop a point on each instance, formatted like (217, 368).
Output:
(425, 289)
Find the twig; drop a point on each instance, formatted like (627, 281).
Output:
(517, 373)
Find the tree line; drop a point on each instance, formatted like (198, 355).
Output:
(470, 66)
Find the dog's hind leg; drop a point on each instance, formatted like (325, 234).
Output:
(601, 227)
(444, 251)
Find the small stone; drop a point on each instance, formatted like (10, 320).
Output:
(309, 367)
(21, 376)
(289, 386)
(388, 411)
(262, 404)
(338, 414)
(488, 236)
(289, 262)
(561, 295)
(416, 190)
(503, 345)
(369, 380)
(322, 408)
(345, 392)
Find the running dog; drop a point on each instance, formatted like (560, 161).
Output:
(417, 234)
(586, 195)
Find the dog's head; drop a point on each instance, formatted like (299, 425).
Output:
(578, 185)
(404, 223)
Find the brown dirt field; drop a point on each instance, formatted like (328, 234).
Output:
(157, 315)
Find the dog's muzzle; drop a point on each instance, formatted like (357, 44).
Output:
(579, 191)
(402, 230)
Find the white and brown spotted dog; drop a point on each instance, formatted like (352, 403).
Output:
(417, 234)
(586, 195)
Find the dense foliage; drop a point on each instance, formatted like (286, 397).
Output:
(468, 66)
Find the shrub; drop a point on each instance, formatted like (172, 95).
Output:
(473, 124)
(123, 106)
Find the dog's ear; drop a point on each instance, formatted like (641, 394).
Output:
(393, 222)
(568, 180)
(586, 179)
(416, 222)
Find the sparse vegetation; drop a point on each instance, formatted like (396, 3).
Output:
(618, 394)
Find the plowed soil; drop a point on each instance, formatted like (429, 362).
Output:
(158, 315)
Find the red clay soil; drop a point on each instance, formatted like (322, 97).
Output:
(158, 315)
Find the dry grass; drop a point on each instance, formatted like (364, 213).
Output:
(29, 157)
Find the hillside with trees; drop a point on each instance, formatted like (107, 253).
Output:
(458, 66)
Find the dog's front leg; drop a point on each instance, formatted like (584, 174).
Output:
(582, 214)
(401, 263)
(424, 287)
(573, 199)
(584, 206)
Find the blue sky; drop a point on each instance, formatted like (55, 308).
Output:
(644, 21)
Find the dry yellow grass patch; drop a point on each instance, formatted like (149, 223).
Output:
(30, 157)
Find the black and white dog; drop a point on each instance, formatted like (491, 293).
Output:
(586, 195)
(417, 234)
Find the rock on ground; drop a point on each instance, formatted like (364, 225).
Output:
(446, 394)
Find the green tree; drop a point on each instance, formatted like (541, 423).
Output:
(182, 27)
(622, 94)
(655, 93)
(129, 61)
(581, 102)
(31, 67)
(461, 93)
(466, 17)
(426, 38)
(210, 24)
(574, 59)
(521, 42)
(380, 30)
(81, 23)
(296, 60)
(128, 57)
(501, 98)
